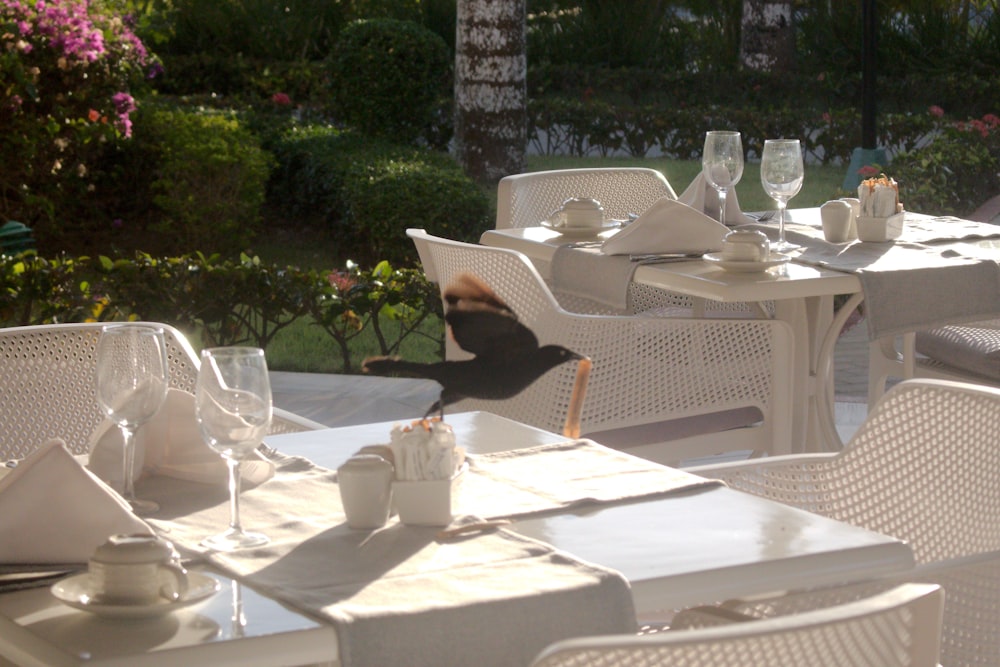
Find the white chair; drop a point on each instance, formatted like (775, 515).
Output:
(922, 468)
(662, 388)
(900, 627)
(960, 352)
(524, 200)
(47, 385)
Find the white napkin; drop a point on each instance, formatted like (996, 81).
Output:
(703, 197)
(53, 510)
(668, 226)
(169, 444)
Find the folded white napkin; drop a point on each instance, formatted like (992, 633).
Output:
(53, 510)
(668, 226)
(169, 444)
(703, 197)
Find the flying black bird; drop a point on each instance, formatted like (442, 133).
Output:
(507, 355)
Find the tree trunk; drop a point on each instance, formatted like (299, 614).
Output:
(491, 119)
(768, 36)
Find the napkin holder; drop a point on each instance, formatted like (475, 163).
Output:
(426, 502)
(880, 230)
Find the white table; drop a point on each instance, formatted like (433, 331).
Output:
(692, 548)
(236, 627)
(682, 550)
(802, 296)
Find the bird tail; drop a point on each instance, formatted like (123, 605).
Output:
(393, 366)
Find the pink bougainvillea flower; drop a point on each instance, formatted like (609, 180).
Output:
(281, 98)
(341, 280)
(935, 111)
(124, 103)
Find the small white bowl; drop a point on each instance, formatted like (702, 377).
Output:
(746, 245)
(578, 212)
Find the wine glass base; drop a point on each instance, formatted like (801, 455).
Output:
(143, 507)
(235, 539)
(784, 246)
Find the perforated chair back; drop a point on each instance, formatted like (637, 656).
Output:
(922, 468)
(646, 370)
(524, 200)
(897, 628)
(967, 352)
(48, 385)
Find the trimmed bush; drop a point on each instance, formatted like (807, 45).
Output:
(367, 192)
(429, 190)
(389, 78)
(209, 181)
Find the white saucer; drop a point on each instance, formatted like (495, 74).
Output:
(75, 591)
(582, 232)
(747, 266)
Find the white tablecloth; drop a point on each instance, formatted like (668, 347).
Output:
(400, 595)
(916, 282)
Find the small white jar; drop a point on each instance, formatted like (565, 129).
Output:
(365, 482)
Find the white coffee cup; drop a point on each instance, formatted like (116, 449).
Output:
(837, 216)
(365, 482)
(136, 570)
(582, 212)
(746, 245)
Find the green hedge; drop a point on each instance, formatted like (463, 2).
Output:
(225, 302)
(366, 192)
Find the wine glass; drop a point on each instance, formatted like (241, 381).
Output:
(781, 174)
(722, 163)
(131, 387)
(233, 407)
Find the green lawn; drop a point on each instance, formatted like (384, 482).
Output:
(821, 183)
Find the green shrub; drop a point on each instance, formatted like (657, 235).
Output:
(66, 69)
(367, 192)
(308, 179)
(209, 181)
(387, 194)
(956, 172)
(389, 78)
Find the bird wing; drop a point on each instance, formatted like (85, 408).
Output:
(481, 323)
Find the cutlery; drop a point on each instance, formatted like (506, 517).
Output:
(657, 258)
(471, 528)
(33, 578)
(763, 217)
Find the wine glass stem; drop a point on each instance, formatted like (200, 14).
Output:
(781, 221)
(722, 205)
(128, 463)
(234, 495)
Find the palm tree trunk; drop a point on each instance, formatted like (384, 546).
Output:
(768, 36)
(490, 88)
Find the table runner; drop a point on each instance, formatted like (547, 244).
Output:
(399, 595)
(583, 271)
(909, 285)
(576, 472)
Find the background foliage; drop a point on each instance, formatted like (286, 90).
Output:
(258, 120)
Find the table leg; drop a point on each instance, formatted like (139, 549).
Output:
(794, 312)
(826, 422)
